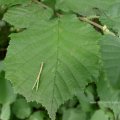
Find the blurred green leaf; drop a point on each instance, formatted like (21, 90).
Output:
(99, 115)
(74, 114)
(6, 91)
(5, 112)
(39, 115)
(21, 108)
(13, 2)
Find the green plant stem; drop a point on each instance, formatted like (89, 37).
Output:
(103, 28)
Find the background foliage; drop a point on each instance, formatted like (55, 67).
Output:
(78, 42)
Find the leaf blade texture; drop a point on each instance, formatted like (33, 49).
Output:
(13, 2)
(70, 52)
(84, 7)
(110, 51)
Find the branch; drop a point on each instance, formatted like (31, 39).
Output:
(103, 28)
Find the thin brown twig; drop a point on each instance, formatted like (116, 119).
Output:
(91, 22)
(103, 28)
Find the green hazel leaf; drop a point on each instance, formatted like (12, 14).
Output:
(109, 97)
(39, 115)
(85, 103)
(74, 114)
(27, 16)
(50, 3)
(111, 18)
(6, 88)
(5, 112)
(13, 2)
(99, 115)
(21, 109)
(84, 7)
(70, 52)
(35, 105)
(110, 51)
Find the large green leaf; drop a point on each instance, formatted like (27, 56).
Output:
(111, 18)
(13, 2)
(27, 16)
(99, 115)
(109, 98)
(84, 6)
(69, 51)
(110, 50)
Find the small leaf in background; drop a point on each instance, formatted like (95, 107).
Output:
(109, 97)
(85, 104)
(74, 114)
(110, 51)
(7, 94)
(99, 115)
(111, 18)
(5, 112)
(21, 109)
(39, 115)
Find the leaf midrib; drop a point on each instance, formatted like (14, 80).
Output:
(56, 66)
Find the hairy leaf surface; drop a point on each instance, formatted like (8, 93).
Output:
(69, 51)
